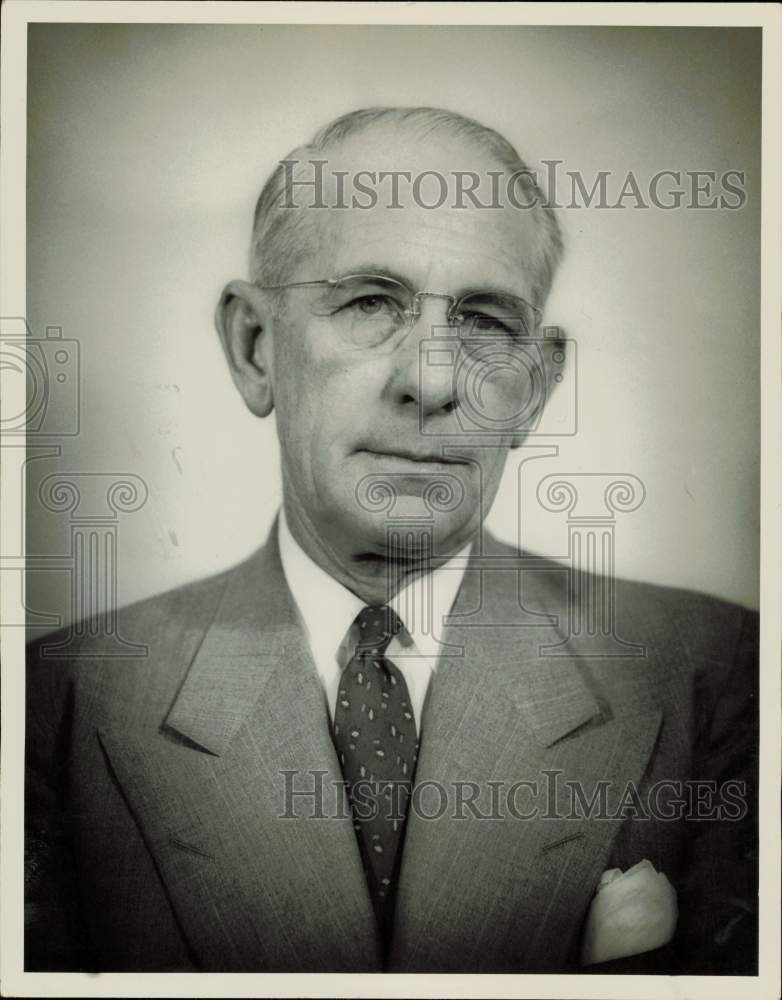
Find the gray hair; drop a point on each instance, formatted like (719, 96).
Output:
(276, 241)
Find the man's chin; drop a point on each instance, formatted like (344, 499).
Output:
(410, 532)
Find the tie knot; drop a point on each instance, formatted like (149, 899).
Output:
(376, 626)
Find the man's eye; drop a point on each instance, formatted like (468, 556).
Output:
(370, 305)
(478, 323)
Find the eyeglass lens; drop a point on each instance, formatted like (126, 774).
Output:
(368, 309)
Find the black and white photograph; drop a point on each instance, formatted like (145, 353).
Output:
(389, 462)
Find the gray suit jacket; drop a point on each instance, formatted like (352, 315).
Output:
(156, 787)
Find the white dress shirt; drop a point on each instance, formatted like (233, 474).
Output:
(327, 610)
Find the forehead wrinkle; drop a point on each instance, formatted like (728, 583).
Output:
(353, 242)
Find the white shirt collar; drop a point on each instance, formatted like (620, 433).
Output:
(328, 609)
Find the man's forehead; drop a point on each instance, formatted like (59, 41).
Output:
(414, 200)
(458, 246)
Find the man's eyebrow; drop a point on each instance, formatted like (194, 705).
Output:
(382, 271)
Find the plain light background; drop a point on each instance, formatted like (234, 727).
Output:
(147, 147)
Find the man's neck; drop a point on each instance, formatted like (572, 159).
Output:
(374, 578)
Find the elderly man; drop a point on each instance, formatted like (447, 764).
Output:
(354, 752)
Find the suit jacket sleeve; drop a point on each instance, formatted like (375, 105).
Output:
(54, 940)
(718, 897)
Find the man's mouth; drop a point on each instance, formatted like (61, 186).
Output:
(404, 456)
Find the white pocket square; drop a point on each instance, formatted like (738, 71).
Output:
(631, 912)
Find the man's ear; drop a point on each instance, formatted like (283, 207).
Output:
(553, 343)
(243, 318)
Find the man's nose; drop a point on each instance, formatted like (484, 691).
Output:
(424, 362)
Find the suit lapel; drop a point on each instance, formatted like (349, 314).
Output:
(509, 894)
(244, 751)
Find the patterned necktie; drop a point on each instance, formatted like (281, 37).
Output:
(377, 745)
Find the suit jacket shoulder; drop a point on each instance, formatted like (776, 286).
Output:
(163, 632)
(702, 636)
